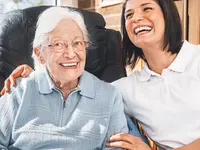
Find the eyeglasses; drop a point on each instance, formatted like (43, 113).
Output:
(77, 45)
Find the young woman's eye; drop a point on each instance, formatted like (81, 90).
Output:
(129, 15)
(147, 8)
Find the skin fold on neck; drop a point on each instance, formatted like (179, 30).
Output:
(65, 87)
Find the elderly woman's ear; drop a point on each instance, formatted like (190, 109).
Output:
(38, 54)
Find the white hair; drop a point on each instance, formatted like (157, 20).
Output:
(48, 21)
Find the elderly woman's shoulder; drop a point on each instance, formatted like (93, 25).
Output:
(22, 83)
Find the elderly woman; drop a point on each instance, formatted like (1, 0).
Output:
(60, 106)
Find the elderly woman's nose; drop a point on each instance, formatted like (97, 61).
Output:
(69, 52)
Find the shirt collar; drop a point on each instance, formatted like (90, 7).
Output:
(180, 63)
(184, 57)
(45, 84)
(86, 84)
(145, 74)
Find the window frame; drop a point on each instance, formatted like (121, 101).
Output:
(105, 3)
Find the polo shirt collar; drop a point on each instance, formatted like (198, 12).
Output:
(146, 73)
(45, 84)
(184, 57)
(87, 85)
(179, 65)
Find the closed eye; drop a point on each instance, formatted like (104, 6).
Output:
(129, 15)
(147, 8)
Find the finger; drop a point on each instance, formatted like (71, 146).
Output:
(121, 144)
(12, 80)
(25, 73)
(2, 91)
(18, 71)
(122, 137)
(27, 70)
(7, 85)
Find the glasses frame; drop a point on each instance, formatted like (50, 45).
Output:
(67, 44)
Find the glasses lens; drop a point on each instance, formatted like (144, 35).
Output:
(59, 45)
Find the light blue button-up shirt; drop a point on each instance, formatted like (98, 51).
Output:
(35, 116)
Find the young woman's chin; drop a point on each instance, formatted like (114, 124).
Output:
(143, 43)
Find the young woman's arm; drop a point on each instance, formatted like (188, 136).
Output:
(195, 145)
(22, 70)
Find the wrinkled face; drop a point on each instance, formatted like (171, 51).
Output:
(144, 22)
(65, 51)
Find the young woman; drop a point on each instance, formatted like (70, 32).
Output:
(164, 96)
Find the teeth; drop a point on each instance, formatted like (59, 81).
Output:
(137, 30)
(68, 65)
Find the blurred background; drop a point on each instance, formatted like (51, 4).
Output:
(189, 11)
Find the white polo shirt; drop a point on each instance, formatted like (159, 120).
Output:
(167, 105)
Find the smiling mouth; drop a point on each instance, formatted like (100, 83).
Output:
(143, 29)
(68, 65)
